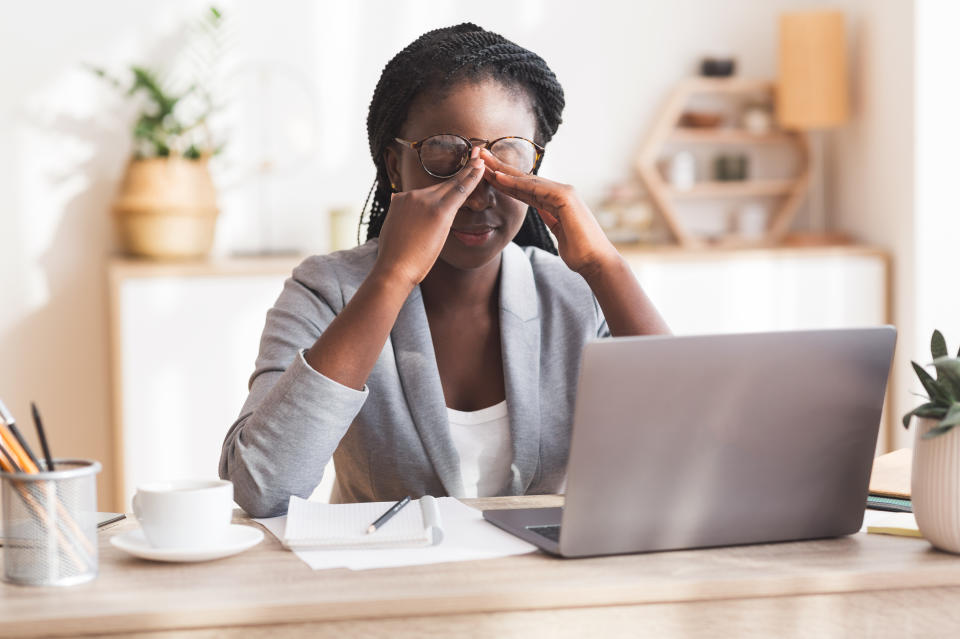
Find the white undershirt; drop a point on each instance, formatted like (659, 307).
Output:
(482, 439)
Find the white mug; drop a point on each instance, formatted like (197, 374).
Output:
(184, 513)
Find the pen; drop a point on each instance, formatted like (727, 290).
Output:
(42, 437)
(385, 517)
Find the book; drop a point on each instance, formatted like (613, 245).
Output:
(891, 474)
(312, 525)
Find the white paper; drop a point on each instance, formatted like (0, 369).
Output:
(316, 526)
(466, 537)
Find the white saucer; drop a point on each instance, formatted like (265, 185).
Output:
(238, 539)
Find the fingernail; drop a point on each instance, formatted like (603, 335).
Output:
(475, 152)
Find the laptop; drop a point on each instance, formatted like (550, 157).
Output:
(716, 440)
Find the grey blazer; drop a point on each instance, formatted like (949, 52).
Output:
(392, 438)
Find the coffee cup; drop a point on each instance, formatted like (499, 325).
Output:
(184, 513)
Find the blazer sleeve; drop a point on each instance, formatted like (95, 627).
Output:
(602, 329)
(294, 417)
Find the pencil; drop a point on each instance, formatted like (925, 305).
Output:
(41, 436)
(14, 459)
(23, 444)
(16, 452)
(7, 462)
(385, 517)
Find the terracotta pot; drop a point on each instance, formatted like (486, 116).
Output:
(935, 485)
(167, 208)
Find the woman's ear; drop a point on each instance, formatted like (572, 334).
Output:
(392, 160)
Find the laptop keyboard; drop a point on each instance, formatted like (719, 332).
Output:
(551, 532)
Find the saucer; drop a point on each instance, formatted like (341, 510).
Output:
(238, 539)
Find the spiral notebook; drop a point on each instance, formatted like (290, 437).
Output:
(312, 525)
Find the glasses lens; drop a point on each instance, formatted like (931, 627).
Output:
(517, 152)
(443, 155)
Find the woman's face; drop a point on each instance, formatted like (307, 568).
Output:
(486, 110)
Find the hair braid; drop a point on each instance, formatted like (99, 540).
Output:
(432, 62)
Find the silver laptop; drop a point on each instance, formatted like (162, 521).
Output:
(690, 442)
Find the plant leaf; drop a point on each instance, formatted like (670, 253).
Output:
(935, 391)
(925, 410)
(938, 345)
(948, 374)
(952, 418)
(935, 431)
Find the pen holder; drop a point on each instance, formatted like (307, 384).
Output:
(50, 524)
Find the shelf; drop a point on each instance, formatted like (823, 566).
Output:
(790, 191)
(735, 85)
(729, 136)
(747, 188)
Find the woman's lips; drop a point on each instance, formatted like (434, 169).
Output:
(473, 237)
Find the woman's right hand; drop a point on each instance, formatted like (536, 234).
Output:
(418, 223)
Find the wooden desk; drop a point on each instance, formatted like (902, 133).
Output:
(864, 585)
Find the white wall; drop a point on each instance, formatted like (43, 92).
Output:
(871, 165)
(935, 302)
(64, 139)
(63, 150)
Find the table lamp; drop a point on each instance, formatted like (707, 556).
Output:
(812, 87)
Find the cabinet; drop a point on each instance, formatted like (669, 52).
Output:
(721, 291)
(185, 336)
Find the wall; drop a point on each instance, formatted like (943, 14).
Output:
(871, 164)
(63, 150)
(935, 303)
(301, 74)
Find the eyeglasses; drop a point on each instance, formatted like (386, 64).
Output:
(443, 155)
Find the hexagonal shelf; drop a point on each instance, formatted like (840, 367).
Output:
(666, 129)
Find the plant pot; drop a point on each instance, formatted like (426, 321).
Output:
(935, 485)
(167, 208)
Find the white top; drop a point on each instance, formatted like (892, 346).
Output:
(482, 439)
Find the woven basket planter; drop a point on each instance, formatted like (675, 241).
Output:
(167, 208)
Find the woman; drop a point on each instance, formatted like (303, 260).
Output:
(440, 357)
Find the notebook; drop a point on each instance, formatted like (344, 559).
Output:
(902, 524)
(337, 526)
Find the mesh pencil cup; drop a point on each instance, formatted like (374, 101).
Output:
(50, 524)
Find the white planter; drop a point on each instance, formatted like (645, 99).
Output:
(935, 485)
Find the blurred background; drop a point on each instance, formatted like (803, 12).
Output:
(763, 164)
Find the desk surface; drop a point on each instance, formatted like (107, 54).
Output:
(853, 584)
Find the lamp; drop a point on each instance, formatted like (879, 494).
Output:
(812, 86)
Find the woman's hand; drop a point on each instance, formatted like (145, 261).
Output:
(418, 223)
(581, 242)
(584, 248)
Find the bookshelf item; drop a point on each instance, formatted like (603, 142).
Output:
(788, 191)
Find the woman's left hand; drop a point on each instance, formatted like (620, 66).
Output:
(581, 242)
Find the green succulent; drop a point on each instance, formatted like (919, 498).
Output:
(943, 393)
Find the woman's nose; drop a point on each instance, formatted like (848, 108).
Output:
(481, 198)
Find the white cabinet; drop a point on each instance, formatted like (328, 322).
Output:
(765, 290)
(185, 336)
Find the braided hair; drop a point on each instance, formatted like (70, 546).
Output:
(435, 61)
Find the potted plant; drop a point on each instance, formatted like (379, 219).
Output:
(935, 480)
(166, 206)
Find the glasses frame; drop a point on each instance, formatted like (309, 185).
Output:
(487, 144)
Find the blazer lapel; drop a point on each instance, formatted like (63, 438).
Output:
(420, 380)
(520, 349)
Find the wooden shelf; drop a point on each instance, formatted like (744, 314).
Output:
(735, 85)
(747, 188)
(690, 135)
(790, 191)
